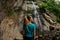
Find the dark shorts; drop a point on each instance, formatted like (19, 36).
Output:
(28, 38)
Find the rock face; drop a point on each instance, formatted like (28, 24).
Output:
(10, 4)
(1, 16)
(9, 28)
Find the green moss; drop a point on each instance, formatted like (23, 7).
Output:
(58, 20)
(30, 11)
(20, 9)
(10, 12)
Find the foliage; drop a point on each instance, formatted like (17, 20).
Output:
(58, 19)
(10, 12)
(52, 6)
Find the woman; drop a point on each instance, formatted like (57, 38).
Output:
(29, 28)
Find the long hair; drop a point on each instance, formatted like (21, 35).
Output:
(28, 17)
(26, 20)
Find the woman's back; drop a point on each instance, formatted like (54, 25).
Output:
(29, 30)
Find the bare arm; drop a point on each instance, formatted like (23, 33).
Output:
(26, 20)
